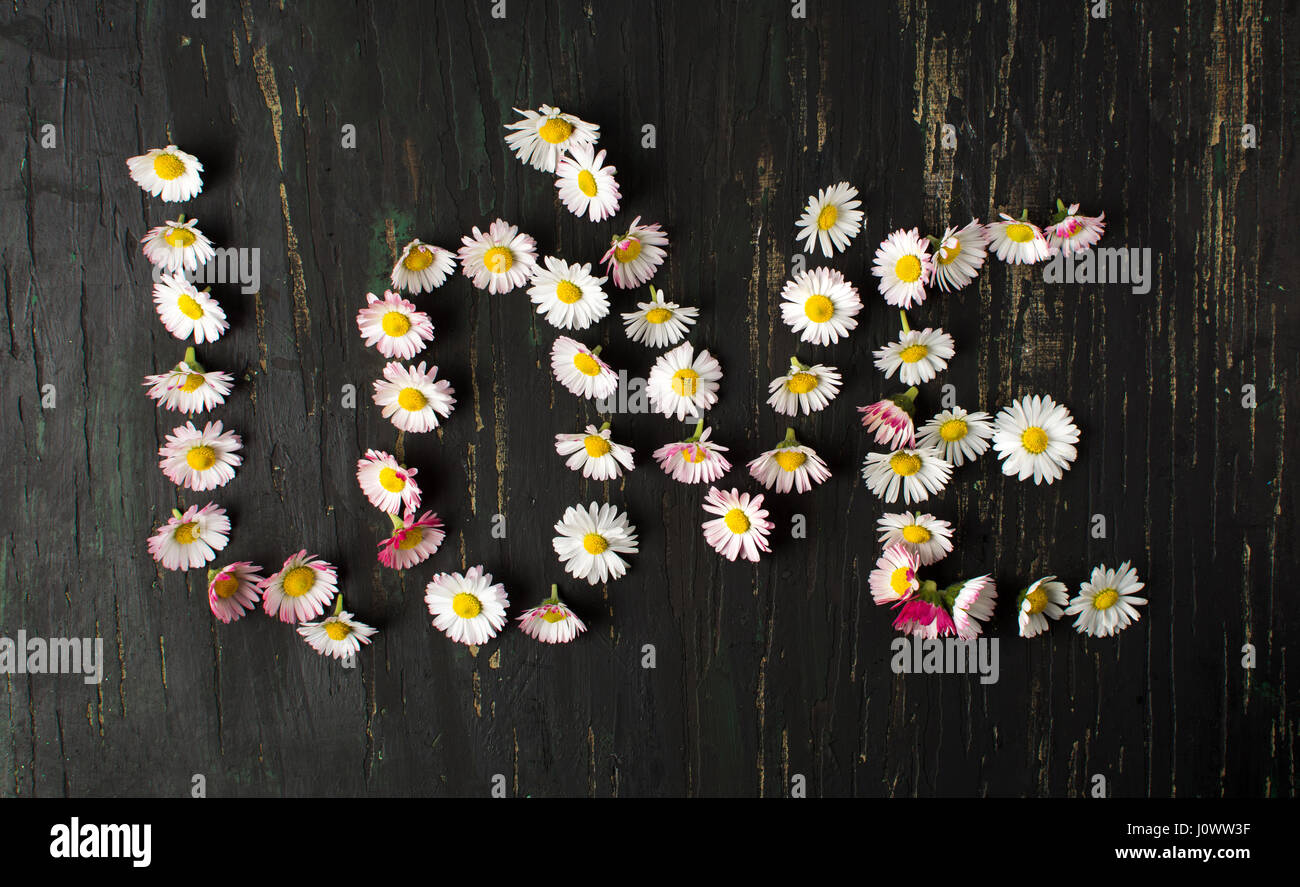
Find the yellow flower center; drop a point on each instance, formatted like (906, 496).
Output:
(1034, 439)
(179, 237)
(948, 254)
(587, 183)
(789, 460)
(414, 536)
(1020, 232)
(686, 382)
(225, 588)
(554, 616)
(1105, 599)
(905, 464)
(391, 481)
(916, 534)
(595, 445)
(567, 292)
(412, 400)
(555, 130)
(901, 581)
(586, 364)
(337, 631)
(827, 218)
(418, 259)
(201, 458)
(658, 315)
(498, 259)
(168, 166)
(193, 382)
(1037, 601)
(802, 383)
(819, 308)
(190, 308)
(736, 521)
(908, 269)
(466, 606)
(187, 534)
(913, 353)
(594, 543)
(630, 249)
(395, 323)
(299, 581)
(953, 429)
(694, 454)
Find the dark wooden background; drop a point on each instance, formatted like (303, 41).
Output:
(763, 672)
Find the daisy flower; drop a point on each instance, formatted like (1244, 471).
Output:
(581, 370)
(200, 460)
(959, 436)
(820, 305)
(1017, 241)
(959, 255)
(894, 578)
(187, 312)
(544, 136)
(633, 258)
(1035, 436)
(234, 589)
(168, 173)
(469, 608)
(929, 538)
(741, 526)
(413, 541)
(805, 388)
(789, 464)
(393, 326)
(972, 604)
(191, 539)
(1071, 232)
(923, 618)
(658, 323)
(339, 635)
(683, 382)
(918, 355)
(411, 399)
(499, 260)
(586, 188)
(188, 388)
(919, 472)
(591, 540)
(831, 219)
(696, 460)
(388, 485)
(1044, 599)
(891, 419)
(904, 265)
(593, 453)
(568, 296)
(551, 621)
(177, 246)
(422, 268)
(301, 588)
(1107, 603)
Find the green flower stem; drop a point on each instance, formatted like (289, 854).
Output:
(191, 361)
(798, 364)
(906, 328)
(656, 295)
(212, 574)
(555, 595)
(790, 440)
(398, 523)
(906, 400)
(699, 430)
(929, 592)
(604, 426)
(595, 352)
(338, 604)
(176, 513)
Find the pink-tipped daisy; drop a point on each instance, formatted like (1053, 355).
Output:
(177, 246)
(412, 398)
(741, 526)
(191, 539)
(422, 268)
(1071, 232)
(580, 369)
(499, 260)
(469, 608)
(634, 257)
(683, 382)
(551, 621)
(586, 187)
(594, 454)
(187, 312)
(393, 326)
(904, 265)
(413, 541)
(696, 460)
(972, 604)
(168, 173)
(788, 465)
(234, 590)
(924, 618)
(894, 578)
(300, 589)
(339, 635)
(1017, 241)
(188, 388)
(200, 460)
(959, 254)
(388, 485)
(891, 419)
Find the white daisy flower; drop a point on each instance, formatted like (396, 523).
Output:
(568, 296)
(177, 246)
(959, 255)
(741, 526)
(338, 635)
(469, 608)
(695, 460)
(411, 399)
(580, 369)
(634, 257)
(1035, 436)
(388, 485)
(301, 588)
(959, 436)
(891, 419)
(684, 383)
(587, 188)
(393, 326)
(499, 260)
(591, 540)
(414, 540)
(1017, 241)
(831, 219)
(168, 173)
(422, 268)
(918, 472)
(543, 137)
(188, 388)
(1070, 232)
(551, 621)
(191, 539)
(1044, 599)
(918, 355)
(925, 535)
(806, 389)
(658, 323)
(789, 464)
(972, 605)
(1107, 603)
(200, 460)
(820, 305)
(894, 578)
(904, 265)
(186, 312)
(594, 454)
(234, 590)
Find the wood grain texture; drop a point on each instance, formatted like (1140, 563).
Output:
(763, 672)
